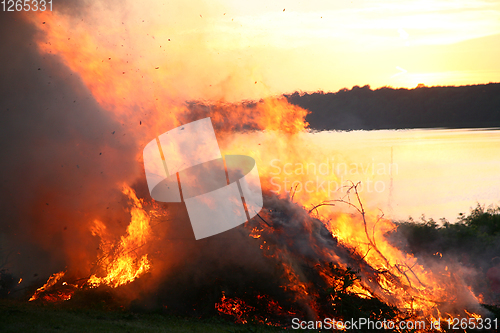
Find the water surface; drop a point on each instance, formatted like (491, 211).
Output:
(436, 172)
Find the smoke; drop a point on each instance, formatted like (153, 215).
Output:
(83, 89)
(467, 250)
(62, 157)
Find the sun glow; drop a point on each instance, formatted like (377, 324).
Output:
(265, 50)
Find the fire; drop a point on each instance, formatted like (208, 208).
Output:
(234, 307)
(137, 86)
(120, 262)
(473, 315)
(241, 312)
(398, 279)
(53, 279)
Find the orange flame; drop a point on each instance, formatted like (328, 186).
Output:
(234, 307)
(50, 282)
(120, 261)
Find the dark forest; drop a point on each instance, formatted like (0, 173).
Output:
(362, 108)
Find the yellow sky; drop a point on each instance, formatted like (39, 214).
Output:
(329, 45)
(235, 50)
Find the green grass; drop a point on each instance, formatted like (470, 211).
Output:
(18, 316)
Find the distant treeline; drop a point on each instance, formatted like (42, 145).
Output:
(389, 108)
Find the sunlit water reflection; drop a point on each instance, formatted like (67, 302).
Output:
(438, 173)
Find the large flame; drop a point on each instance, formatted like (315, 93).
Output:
(121, 262)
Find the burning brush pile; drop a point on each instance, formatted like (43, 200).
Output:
(287, 262)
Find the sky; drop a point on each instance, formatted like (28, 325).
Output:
(237, 50)
(329, 45)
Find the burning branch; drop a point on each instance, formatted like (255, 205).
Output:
(264, 220)
(361, 210)
(54, 278)
(394, 276)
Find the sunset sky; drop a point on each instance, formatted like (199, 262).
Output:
(329, 45)
(233, 50)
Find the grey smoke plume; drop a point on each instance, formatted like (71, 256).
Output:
(61, 156)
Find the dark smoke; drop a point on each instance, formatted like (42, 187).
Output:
(60, 159)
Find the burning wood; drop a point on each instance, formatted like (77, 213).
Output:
(320, 271)
(52, 295)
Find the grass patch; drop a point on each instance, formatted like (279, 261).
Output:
(16, 316)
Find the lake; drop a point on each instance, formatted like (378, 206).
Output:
(436, 172)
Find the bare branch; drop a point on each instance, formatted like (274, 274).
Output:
(294, 191)
(264, 220)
